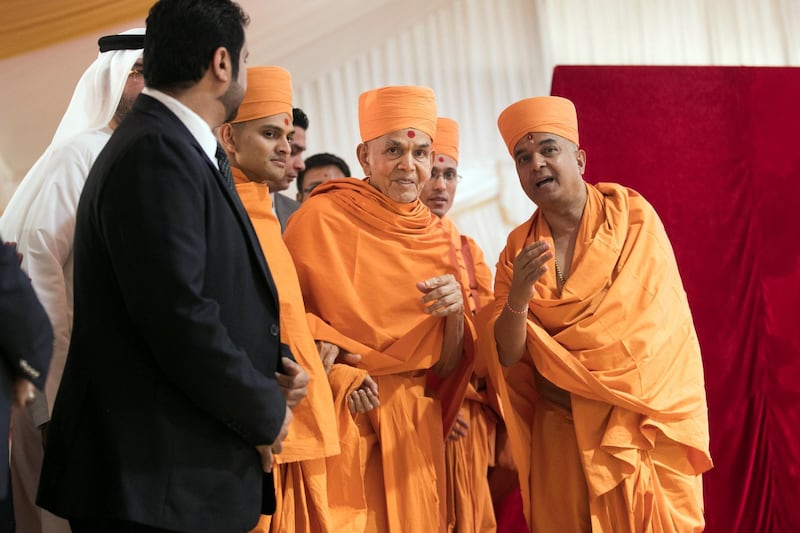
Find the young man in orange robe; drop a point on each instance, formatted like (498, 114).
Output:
(384, 277)
(469, 449)
(257, 142)
(603, 388)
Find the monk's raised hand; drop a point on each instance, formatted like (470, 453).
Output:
(365, 397)
(293, 382)
(529, 265)
(443, 295)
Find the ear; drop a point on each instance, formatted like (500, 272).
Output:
(362, 153)
(221, 65)
(226, 137)
(581, 157)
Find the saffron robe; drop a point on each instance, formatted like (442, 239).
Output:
(359, 256)
(300, 473)
(619, 337)
(468, 458)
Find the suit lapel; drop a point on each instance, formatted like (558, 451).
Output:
(244, 220)
(151, 105)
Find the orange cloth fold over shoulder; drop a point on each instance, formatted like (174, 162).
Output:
(619, 337)
(359, 256)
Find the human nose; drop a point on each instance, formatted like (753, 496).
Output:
(538, 160)
(406, 161)
(438, 182)
(284, 147)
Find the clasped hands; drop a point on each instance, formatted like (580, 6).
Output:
(365, 397)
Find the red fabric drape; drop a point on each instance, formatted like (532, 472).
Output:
(715, 150)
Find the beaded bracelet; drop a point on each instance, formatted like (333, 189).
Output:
(523, 312)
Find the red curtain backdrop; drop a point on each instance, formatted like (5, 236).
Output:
(715, 150)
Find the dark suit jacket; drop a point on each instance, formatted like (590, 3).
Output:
(284, 207)
(169, 381)
(26, 343)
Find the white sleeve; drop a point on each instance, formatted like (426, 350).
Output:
(46, 244)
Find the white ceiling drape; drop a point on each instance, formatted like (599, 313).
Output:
(478, 56)
(481, 56)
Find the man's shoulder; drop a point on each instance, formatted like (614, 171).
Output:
(286, 202)
(83, 146)
(152, 130)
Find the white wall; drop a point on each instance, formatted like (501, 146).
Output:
(479, 56)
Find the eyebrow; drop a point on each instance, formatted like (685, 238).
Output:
(519, 152)
(547, 140)
(391, 142)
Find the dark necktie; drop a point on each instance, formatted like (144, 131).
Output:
(225, 168)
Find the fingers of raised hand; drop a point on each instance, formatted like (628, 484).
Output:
(531, 263)
(432, 283)
(444, 300)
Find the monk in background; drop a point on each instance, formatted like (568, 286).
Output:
(383, 276)
(603, 386)
(257, 143)
(469, 449)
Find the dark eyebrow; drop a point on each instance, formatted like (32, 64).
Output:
(519, 152)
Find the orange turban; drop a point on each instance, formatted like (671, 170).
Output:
(388, 109)
(446, 138)
(542, 114)
(269, 92)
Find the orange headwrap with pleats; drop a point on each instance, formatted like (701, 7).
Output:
(541, 114)
(269, 92)
(446, 138)
(388, 109)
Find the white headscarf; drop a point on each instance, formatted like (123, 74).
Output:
(92, 107)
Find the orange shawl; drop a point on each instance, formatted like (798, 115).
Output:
(312, 433)
(619, 337)
(358, 256)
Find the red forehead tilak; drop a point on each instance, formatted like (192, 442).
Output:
(411, 134)
(286, 121)
(441, 159)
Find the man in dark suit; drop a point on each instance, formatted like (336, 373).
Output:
(26, 344)
(169, 409)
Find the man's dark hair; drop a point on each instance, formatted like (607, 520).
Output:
(181, 38)
(322, 160)
(299, 118)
